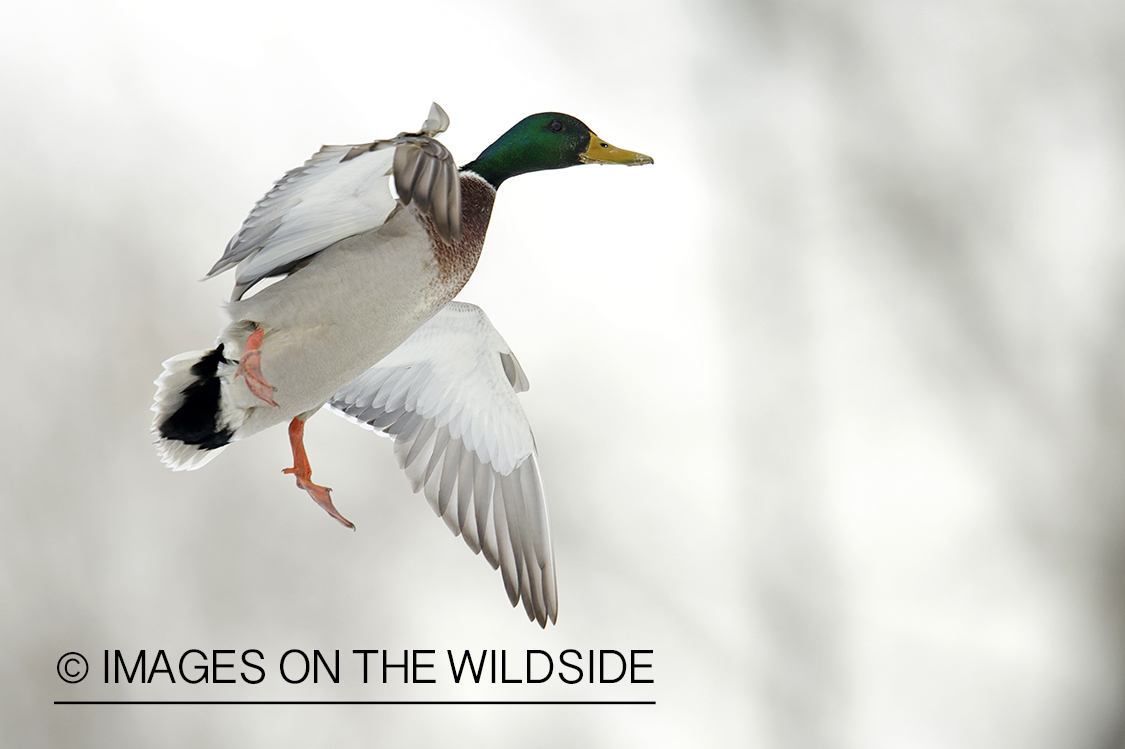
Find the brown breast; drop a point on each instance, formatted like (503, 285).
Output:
(457, 260)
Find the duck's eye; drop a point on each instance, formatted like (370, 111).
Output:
(556, 126)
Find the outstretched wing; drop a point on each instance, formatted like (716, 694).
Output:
(447, 396)
(342, 191)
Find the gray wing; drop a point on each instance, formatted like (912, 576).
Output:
(426, 175)
(343, 191)
(448, 398)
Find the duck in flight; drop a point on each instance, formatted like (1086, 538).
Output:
(371, 244)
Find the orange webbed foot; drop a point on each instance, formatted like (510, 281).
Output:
(303, 471)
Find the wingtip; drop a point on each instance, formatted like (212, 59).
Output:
(436, 122)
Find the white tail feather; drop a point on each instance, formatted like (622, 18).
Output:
(170, 388)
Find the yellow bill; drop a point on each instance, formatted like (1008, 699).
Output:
(600, 152)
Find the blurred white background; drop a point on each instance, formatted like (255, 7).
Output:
(830, 402)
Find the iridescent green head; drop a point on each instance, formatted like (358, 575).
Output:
(548, 140)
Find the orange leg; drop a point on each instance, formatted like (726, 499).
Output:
(250, 365)
(303, 471)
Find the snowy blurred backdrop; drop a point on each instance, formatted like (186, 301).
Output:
(830, 401)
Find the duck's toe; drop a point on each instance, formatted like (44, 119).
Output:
(322, 496)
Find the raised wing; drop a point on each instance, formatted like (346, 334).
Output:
(447, 396)
(342, 191)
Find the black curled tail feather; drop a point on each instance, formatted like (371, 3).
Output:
(189, 423)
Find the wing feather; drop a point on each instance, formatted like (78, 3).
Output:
(510, 569)
(448, 397)
(340, 192)
(486, 531)
(435, 460)
(465, 484)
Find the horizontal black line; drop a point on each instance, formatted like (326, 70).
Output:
(355, 702)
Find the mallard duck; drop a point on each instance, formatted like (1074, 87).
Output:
(371, 243)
